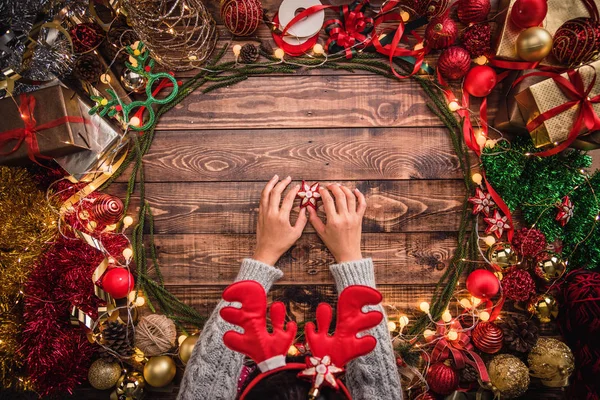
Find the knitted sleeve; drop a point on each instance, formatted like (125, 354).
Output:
(374, 376)
(213, 369)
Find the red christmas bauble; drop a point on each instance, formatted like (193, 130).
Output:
(576, 41)
(482, 284)
(241, 17)
(477, 39)
(528, 13)
(431, 8)
(518, 285)
(488, 337)
(470, 11)
(118, 282)
(454, 62)
(441, 32)
(480, 81)
(529, 242)
(442, 379)
(107, 209)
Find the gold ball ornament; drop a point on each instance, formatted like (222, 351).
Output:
(544, 307)
(103, 375)
(509, 376)
(187, 347)
(533, 44)
(502, 255)
(159, 371)
(551, 268)
(551, 361)
(133, 81)
(131, 385)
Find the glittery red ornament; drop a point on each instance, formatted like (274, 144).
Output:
(488, 337)
(118, 282)
(442, 378)
(477, 39)
(431, 8)
(518, 285)
(528, 13)
(107, 209)
(482, 284)
(86, 36)
(576, 41)
(480, 81)
(529, 242)
(454, 62)
(470, 11)
(241, 17)
(441, 32)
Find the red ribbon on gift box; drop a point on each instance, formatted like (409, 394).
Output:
(28, 133)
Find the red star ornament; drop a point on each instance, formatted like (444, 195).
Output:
(309, 195)
(497, 224)
(565, 211)
(482, 202)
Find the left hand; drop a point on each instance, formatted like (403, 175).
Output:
(275, 234)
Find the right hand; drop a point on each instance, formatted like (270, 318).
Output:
(341, 234)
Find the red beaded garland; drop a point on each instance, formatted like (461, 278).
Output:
(454, 62)
(480, 81)
(442, 379)
(470, 11)
(576, 41)
(441, 32)
(107, 209)
(241, 17)
(488, 337)
(528, 13)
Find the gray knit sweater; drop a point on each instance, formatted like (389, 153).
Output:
(213, 369)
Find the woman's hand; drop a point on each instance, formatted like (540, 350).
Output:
(341, 234)
(274, 233)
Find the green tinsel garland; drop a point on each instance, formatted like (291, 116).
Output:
(535, 185)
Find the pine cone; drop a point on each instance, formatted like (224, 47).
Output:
(120, 35)
(116, 337)
(88, 68)
(249, 53)
(520, 333)
(468, 374)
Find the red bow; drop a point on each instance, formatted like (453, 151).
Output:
(351, 30)
(578, 94)
(28, 134)
(461, 349)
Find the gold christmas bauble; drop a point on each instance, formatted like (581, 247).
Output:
(509, 377)
(159, 371)
(103, 375)
(544, 307)
(186, 348)
(133, 81)
(502, 255)
(551, 267)
(533, 44)
(552, 361)
(131, 385)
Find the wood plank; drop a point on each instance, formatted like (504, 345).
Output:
(225, 207)
(258, 154)
(214, 259)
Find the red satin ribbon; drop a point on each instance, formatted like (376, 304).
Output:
(28, 134)
(514, 65)
(575, 90)
(296, 50)
(347, 32)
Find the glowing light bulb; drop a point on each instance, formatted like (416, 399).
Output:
(491, 143)
(465, 303)
(318, 49)
(127, 253)
(132, 296)
(446, 316)
(192, 57)
(477, 178)
(489, 240)
(105, 78)
(391, 326)
(481, 60)
(484, 316)
(424, 306)
(405, 16)
(135, 121)
(418, 46)
(428, 333)
(475, 301)
(481, 139)
(127, 221)
(279, 53)
(403, 321)
(453, 106)
(452, 335)
(237, 49)
(140, 301)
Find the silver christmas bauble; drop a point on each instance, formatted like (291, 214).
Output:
(133, 81)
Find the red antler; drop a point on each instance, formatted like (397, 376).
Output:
(344, 345)
(268, 350)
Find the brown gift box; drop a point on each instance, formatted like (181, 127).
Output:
(52, 103)
(559, 12)
(544, 96)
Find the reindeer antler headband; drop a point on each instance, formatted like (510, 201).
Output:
(330, 353)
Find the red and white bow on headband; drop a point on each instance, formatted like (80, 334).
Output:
(330, 353)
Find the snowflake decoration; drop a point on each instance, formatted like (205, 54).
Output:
(565, 211)
(321, 370)
(497, 224)
(309, 195)
(482, 202)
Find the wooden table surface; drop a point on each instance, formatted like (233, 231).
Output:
(214, 152)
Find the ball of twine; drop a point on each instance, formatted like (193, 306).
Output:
(180, 34)
(155, 335)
